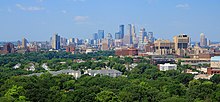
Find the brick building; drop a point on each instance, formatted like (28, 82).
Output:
(126, 52)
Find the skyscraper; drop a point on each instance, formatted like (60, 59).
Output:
(24, 43)
(121, 31)
(100, 34)
(9, 48)
(181, 44)
(95, 36)
(128, 37)
(129, 31)
(143, 34)
(71, 41)
(118, 35)
(203, 40)
(56, 42)
(151, 37)
(109, 36)
(133, 34)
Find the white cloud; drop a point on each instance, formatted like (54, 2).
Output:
(185, 6)
(30, 8)
(80, 18)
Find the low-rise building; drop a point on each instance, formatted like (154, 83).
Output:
(110, 72)
(126, 51)
(76, 74)
(167, 66)
(203, 76)
(17, 66)
(215, 62)
(215, 66)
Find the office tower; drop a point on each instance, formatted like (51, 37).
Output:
(105, 44)
(117, 35)
(181, 44)
(76, 40)
(9, 48)
(71, 41)
(133, 34)
(163, 47)
(143, 35)
(63, 41)
(203, 40)
(19, 43)
(56, 42)
(121, 31)
(128, 37)
(100, 34)
(109, 36)
(208, 42)
(129, 30)
(95, 36)
(151, 37)
(127, 40)
(24, 43)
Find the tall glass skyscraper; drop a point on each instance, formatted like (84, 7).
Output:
(56, 42)
(100, 34)
(118, 35)
(203, 40)
(142, 35)
(121, 31)
(95, 36)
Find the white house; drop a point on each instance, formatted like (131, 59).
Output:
(108, 72)
(167, 66)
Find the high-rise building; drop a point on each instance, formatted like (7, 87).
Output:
(120, 34)
(128, 37)
(181, 44)
(203, 40)
(163, 47)
(117, 35)
(95, 36)
(56, 42)
(109, 36)
(71, 41)
(63, 41)
(208, 42)
(100, 34)
(133, 34)
(105, 44)
(151, 37)
(24, 43)
(121, 31)
(9, 48)
(129, 30)
(143, 34)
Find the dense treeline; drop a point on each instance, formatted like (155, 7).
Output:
(41, 56)
(144, 83)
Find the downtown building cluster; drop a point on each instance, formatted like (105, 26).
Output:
(126, 41)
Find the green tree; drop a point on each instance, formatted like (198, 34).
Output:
(106, 96)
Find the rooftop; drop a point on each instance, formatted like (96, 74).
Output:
(215, 58)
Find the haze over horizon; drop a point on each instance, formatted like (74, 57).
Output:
(37, 20)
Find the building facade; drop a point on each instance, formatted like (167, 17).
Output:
(167, 66)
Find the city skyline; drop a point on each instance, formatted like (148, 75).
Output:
(37, 20)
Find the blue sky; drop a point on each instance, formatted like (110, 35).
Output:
(39, 19)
